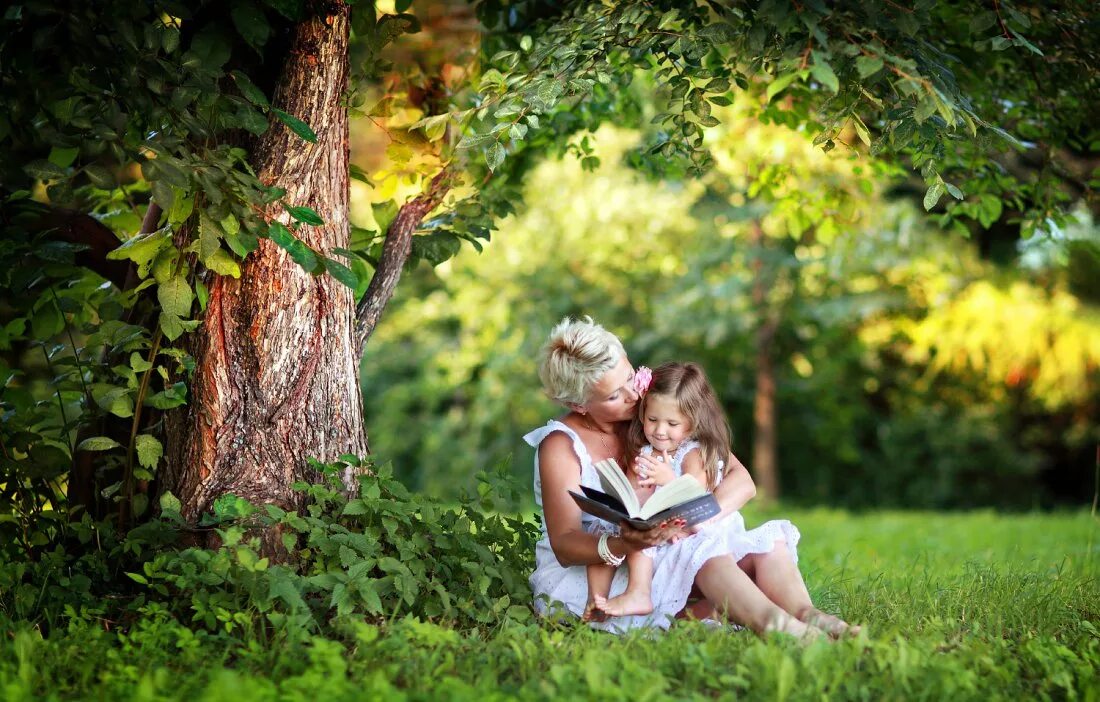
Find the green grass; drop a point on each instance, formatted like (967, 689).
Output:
(960, 606)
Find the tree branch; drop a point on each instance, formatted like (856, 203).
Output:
(395, 251)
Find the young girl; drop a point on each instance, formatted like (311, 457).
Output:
(680, 428)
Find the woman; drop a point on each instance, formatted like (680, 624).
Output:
(585, 368)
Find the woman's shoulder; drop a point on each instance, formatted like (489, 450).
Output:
(536, 436)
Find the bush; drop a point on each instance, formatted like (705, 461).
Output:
(380, 553)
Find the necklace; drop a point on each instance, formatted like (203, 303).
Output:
(599, 434)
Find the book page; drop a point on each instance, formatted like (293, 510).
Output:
(615, 483)
(674, 493)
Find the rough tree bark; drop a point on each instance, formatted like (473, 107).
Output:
(276, 376)
(765, 464)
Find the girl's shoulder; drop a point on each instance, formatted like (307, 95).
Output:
(686, 448)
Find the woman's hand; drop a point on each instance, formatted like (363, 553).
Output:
(666, 533)
(654, 470)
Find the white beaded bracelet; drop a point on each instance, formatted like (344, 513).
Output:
(605, 553)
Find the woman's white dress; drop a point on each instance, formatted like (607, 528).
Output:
(558, 589)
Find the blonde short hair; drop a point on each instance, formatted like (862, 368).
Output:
(575, 357)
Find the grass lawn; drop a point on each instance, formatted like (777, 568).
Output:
(959, 606)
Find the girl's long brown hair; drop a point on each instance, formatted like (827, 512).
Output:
(687, 384)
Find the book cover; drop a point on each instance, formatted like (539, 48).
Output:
(600, 504)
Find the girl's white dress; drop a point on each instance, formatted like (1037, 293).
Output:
(558, 589)
(730, 529)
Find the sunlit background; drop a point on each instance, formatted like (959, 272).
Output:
(912, 366)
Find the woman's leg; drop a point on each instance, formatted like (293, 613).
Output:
(778, 577)
(736, 597)
(637, 598)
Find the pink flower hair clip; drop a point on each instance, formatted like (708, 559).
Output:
(642, 378)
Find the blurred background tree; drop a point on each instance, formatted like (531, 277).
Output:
(907, 369)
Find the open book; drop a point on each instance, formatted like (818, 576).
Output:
(683, 498)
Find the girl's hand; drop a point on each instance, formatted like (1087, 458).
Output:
(654, 470)
(667, 533)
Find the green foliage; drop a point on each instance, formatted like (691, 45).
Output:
(975, 606)
(371, 557)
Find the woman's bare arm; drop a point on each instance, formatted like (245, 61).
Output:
(736, 488)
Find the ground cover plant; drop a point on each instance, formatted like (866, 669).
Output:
(961, 606)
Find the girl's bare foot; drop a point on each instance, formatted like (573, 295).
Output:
(625, 604)
(832, 625)
(592, 613)
(786, 624)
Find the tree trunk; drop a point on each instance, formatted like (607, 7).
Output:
(765, 465)
(276, 376)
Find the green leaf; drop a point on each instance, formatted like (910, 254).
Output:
(471, 140)
(434, 127)
(181, 209)
(357, 173)
(251, 23)
(954, 191)
(494, 156)
(223, 264)
(779, 84)
(252, 120)
(211, 47)
(718, 85)
(113, 399)
(305, 214)
(230, 225)
(44, 170)
(296, 125)
(149, 450)
(868, 65)
(169, 39)
(163, 194)
(982, 21)
(98, 443)
(932, 196)
(823, 72)
(241, 244)
(175, 296)
(861, 130)
(210, 233)
(201, 294)
(63, 157)
(249, 90)
(143, 248)
(100, 176)
(298, 250)
(172, 326)
(139, 364)
(924, 109)
(169, 503)
(341, 273)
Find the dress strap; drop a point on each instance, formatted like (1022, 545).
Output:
(536, 437)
